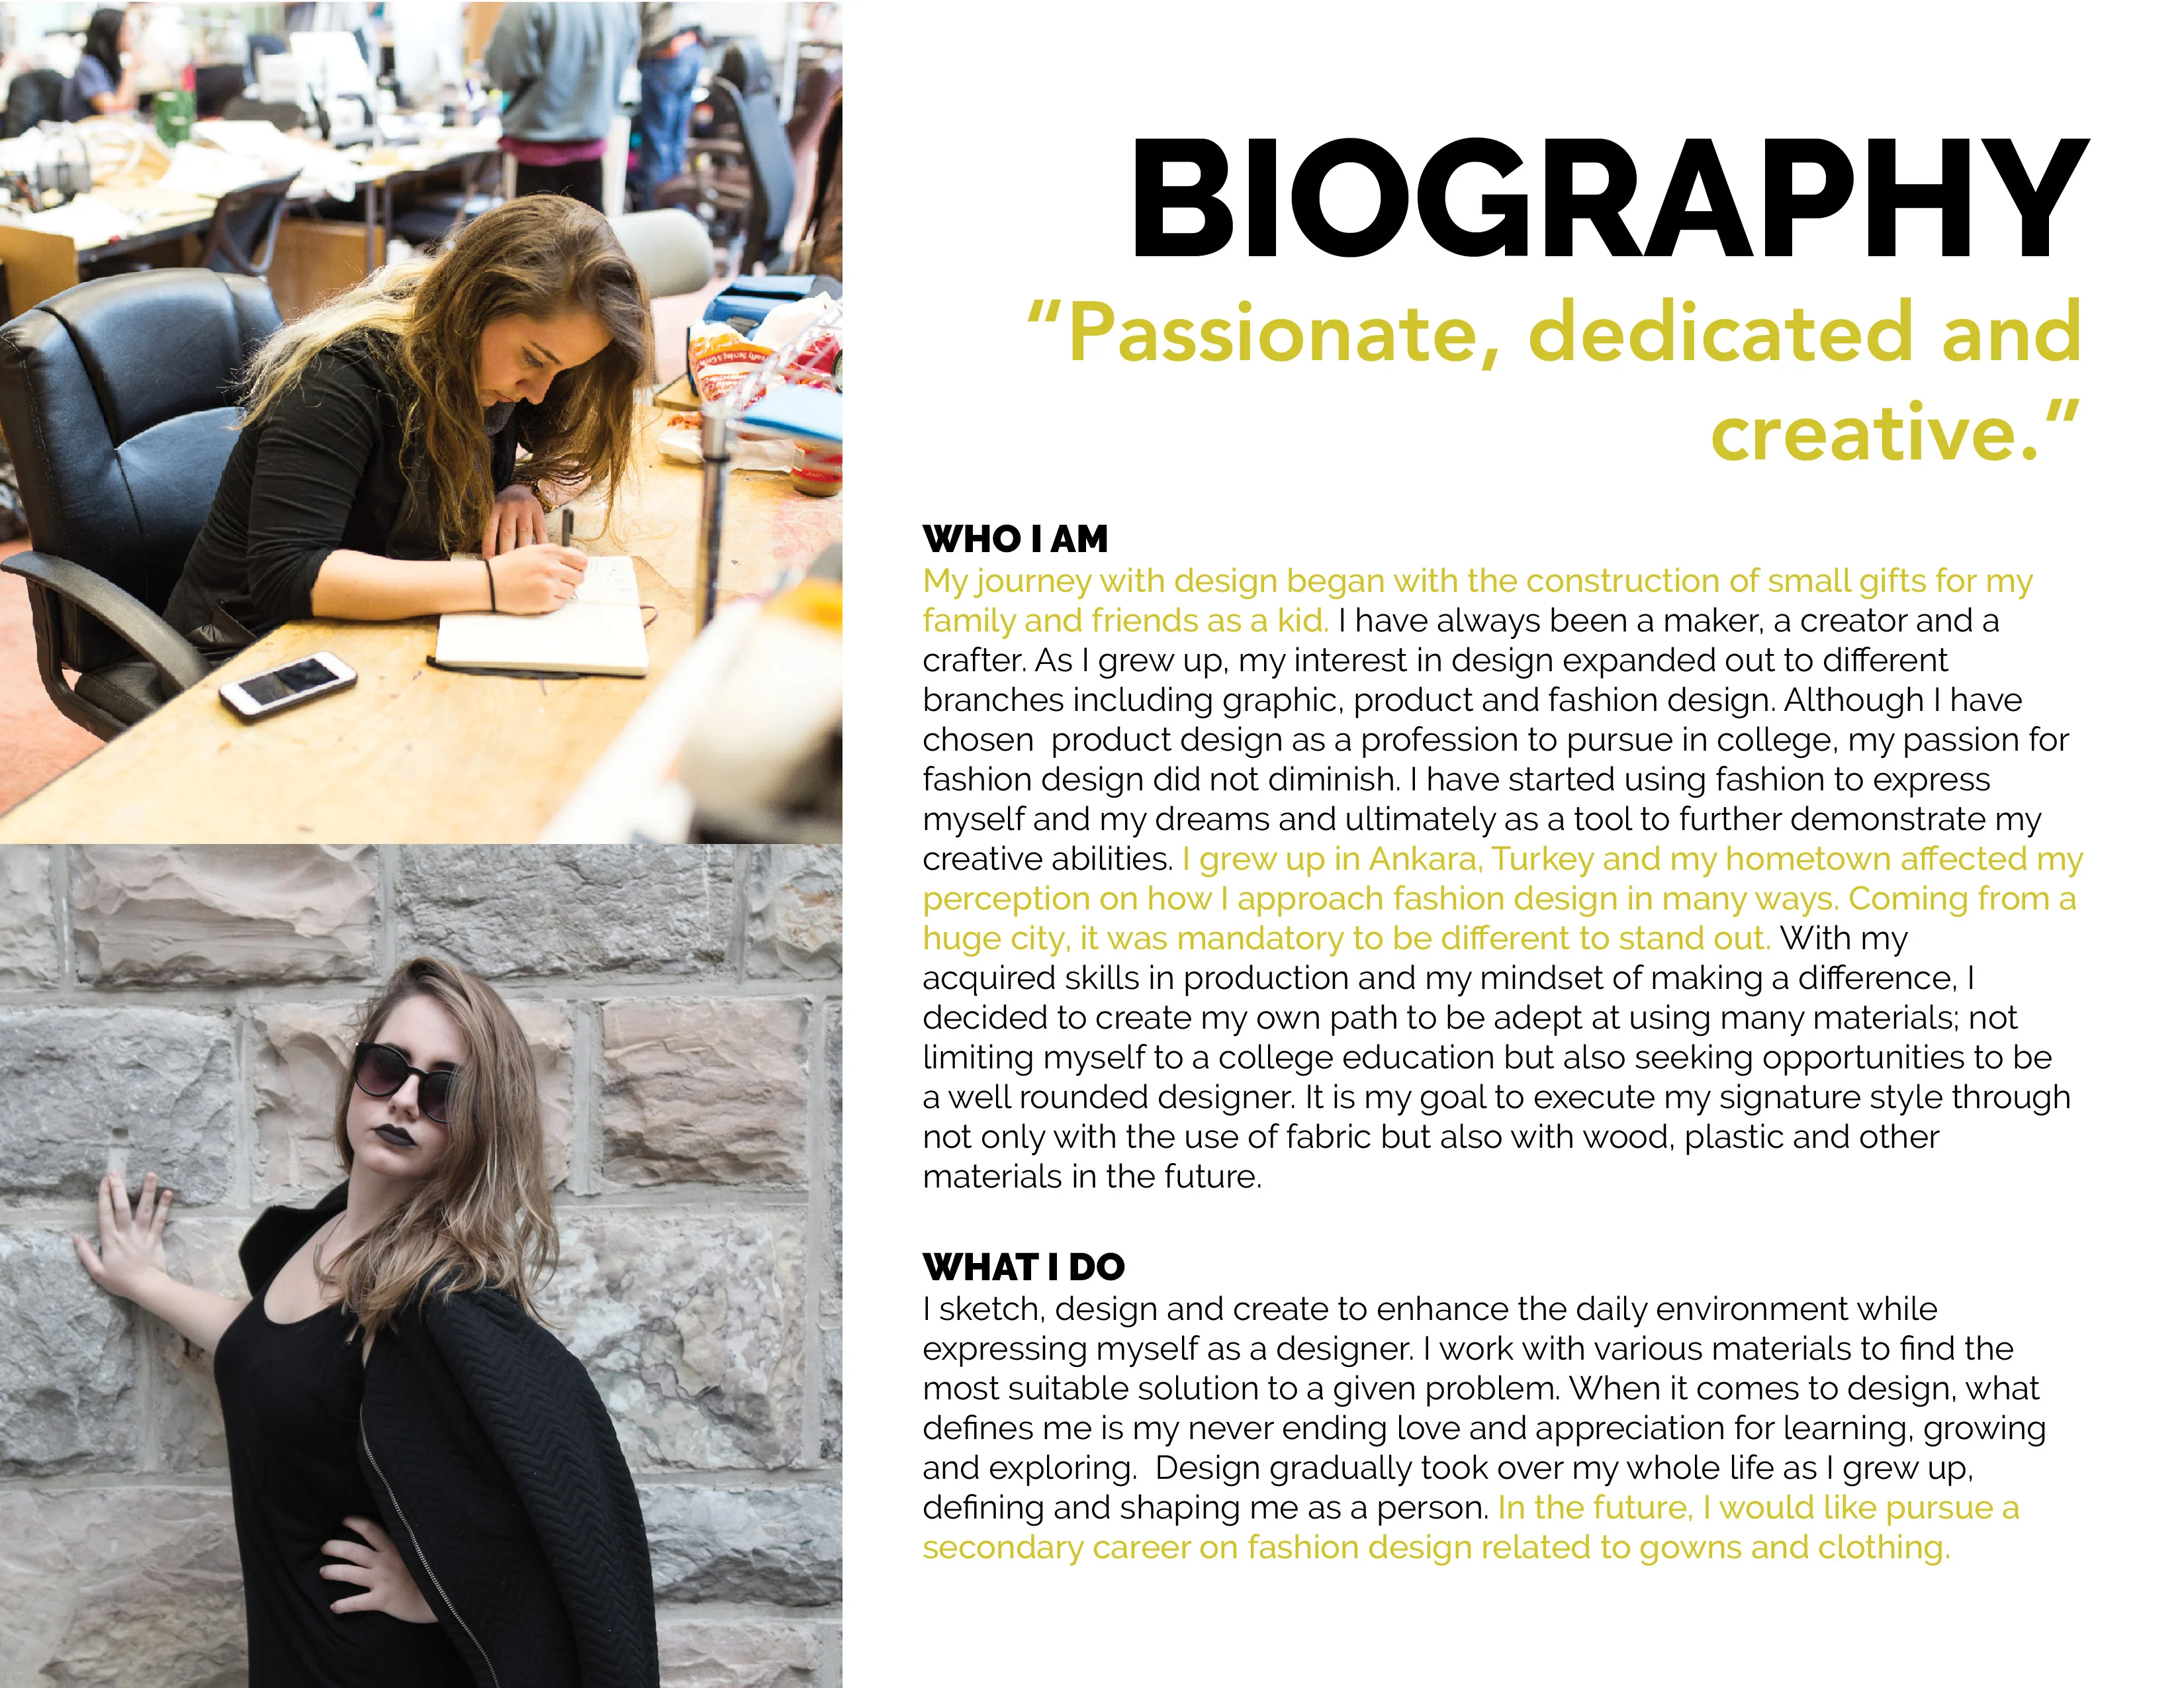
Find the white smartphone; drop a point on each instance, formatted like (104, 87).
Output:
(280, 688)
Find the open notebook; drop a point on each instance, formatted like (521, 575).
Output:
(599, 630)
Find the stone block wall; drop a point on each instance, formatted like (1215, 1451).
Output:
(188, 1011)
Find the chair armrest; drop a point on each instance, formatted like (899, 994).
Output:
(176, 657)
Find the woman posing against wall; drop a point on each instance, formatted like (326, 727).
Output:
(427, 1489)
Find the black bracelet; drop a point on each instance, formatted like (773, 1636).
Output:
(493, 602)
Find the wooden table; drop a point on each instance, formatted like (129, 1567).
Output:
(413, 753)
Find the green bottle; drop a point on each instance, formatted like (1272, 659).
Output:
(172, 115)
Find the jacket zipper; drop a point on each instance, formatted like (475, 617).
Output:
(411, 1533)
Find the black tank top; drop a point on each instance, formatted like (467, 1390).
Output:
(290, 1393)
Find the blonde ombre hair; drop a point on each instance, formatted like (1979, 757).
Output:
(483, 1216)
(543, 257)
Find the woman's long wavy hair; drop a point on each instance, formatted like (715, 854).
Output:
(541, 256)
(483, 1216)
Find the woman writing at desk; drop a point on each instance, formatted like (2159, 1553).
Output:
(380, 434)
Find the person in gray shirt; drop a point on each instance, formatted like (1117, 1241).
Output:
(561, 68)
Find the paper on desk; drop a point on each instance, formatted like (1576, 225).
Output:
(251, 138)
(154, 201)
(85, 221)
(260, 150)
(207, 171)
(601, 630)
(607, 580)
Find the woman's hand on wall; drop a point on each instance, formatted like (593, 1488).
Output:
(517, 519)
(534, 579)
(376, 1563)
(130, 1261)
(131, 1250)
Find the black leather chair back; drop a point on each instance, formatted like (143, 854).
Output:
(118, 399)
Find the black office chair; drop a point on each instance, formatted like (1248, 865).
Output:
(769, 169)
(34, 96)
(240, 222)
(116, 398)
(744, 64)
(438, 215)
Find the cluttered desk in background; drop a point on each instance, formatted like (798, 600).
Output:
(148, 196)
(414, 753)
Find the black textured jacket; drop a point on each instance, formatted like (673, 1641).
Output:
(498, 1476)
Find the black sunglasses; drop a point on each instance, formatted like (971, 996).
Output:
(381, 1070)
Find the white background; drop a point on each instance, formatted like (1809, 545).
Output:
(994, 165)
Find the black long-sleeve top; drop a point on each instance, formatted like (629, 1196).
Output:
(322, 470)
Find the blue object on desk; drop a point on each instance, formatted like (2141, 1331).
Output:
(748, 298)
(798, 413)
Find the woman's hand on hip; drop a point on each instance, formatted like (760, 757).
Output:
(132, 1248)
(517, 519)
(376, 1563)
(532, 579)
